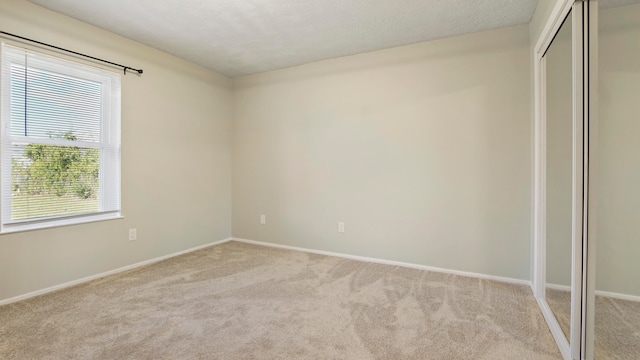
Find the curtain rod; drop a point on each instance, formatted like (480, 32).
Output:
(139, 71)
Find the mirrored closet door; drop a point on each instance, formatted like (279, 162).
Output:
(558, 176)
(560, 164)
(587, 178)
(613, 331)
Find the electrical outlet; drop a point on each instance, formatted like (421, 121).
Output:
(341, 226)
(133, 234)
(263, 219)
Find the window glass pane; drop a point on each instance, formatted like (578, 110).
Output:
(50, 180)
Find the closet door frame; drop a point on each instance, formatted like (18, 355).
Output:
(591, 109)
(574, 347)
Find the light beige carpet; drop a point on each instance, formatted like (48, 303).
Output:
(617, 328)
(240, 301)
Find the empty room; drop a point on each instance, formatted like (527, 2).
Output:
(298, 179)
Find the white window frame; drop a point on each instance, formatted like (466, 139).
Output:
(109, 144)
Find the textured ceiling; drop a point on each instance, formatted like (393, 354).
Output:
(240, 37)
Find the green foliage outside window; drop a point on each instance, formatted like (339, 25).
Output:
(57, 170)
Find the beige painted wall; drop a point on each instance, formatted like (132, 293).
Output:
(423, 151)
(618, 193)
(176, 162)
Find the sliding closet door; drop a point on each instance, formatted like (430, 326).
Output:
(561, 139)
(613, 283)
(559, 181)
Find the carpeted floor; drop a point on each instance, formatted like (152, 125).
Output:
(240, 301)
(617, 329)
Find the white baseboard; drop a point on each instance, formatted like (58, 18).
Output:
(558, 287)
(618, 296)
(608, 294)
(107, 273)
(389, 262)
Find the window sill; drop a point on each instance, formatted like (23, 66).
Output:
(54, 223)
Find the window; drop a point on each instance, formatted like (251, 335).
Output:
(60, 141)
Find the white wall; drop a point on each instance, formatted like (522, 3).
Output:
(423, 151)
(176, 162)
(618, 193)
